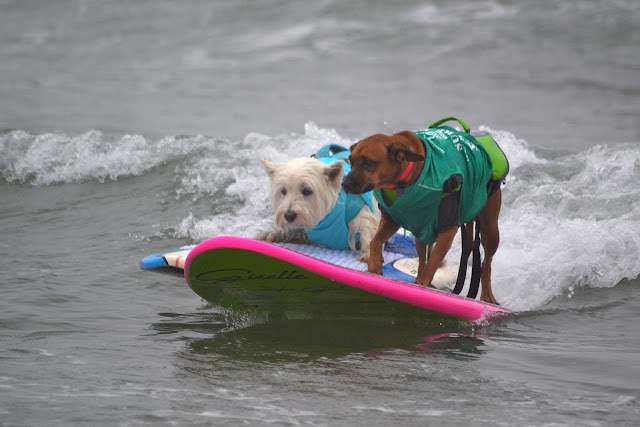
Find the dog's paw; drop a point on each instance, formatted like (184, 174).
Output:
(375, 267)
(365, 253)
(421, 282)
(364, 258)
(489, 298)
(266, 236)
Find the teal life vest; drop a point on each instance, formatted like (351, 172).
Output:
(332, 231)
(448, 152)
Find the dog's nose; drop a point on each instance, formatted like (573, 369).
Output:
(347, 186)
(290, 216)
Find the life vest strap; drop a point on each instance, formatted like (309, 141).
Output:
(476, 267)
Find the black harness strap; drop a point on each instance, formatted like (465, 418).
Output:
(476, 264)
(464, 257)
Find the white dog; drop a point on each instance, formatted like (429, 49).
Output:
(310, 206)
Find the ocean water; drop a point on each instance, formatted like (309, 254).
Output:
(129, 128)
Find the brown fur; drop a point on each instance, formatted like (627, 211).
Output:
(379, 160)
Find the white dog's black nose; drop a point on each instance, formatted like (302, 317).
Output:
(290, 216)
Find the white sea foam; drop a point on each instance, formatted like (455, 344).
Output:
(52, 158)
(431, 14)
(566, 222)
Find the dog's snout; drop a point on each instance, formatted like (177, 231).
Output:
(290, 216)
(351, 186)
(348, 186)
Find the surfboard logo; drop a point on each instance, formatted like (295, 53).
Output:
(219, 277)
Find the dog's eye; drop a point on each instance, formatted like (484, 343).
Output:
(369, 164)
(307, 192)
(284, 191)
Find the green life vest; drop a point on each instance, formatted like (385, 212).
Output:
(448, 152)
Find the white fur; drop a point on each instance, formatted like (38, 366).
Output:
(308, 189)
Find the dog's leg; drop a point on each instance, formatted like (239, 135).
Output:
(442, 246)
(366, 225)
(283, 235)
(490, 238)
(421, 249)
(386, 229)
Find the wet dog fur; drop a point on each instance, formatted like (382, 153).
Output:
(302, 192)
(378, 161)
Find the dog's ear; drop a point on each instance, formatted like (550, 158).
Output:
(399, 151)
(270, 168)
(353, 147)
(334, 172)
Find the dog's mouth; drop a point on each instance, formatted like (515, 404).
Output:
(351, 188)
(292, 220)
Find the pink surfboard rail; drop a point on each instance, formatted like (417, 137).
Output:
(429, 299)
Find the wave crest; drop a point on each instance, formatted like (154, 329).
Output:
(53, 158)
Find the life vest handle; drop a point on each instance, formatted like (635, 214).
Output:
(333, 151)
(446, 119)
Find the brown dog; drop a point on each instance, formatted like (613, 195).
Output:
(397, 162)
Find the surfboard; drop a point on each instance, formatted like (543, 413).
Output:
(281, 282)
(399, 254)
(169, 260)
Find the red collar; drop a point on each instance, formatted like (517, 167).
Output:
(403, 176)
